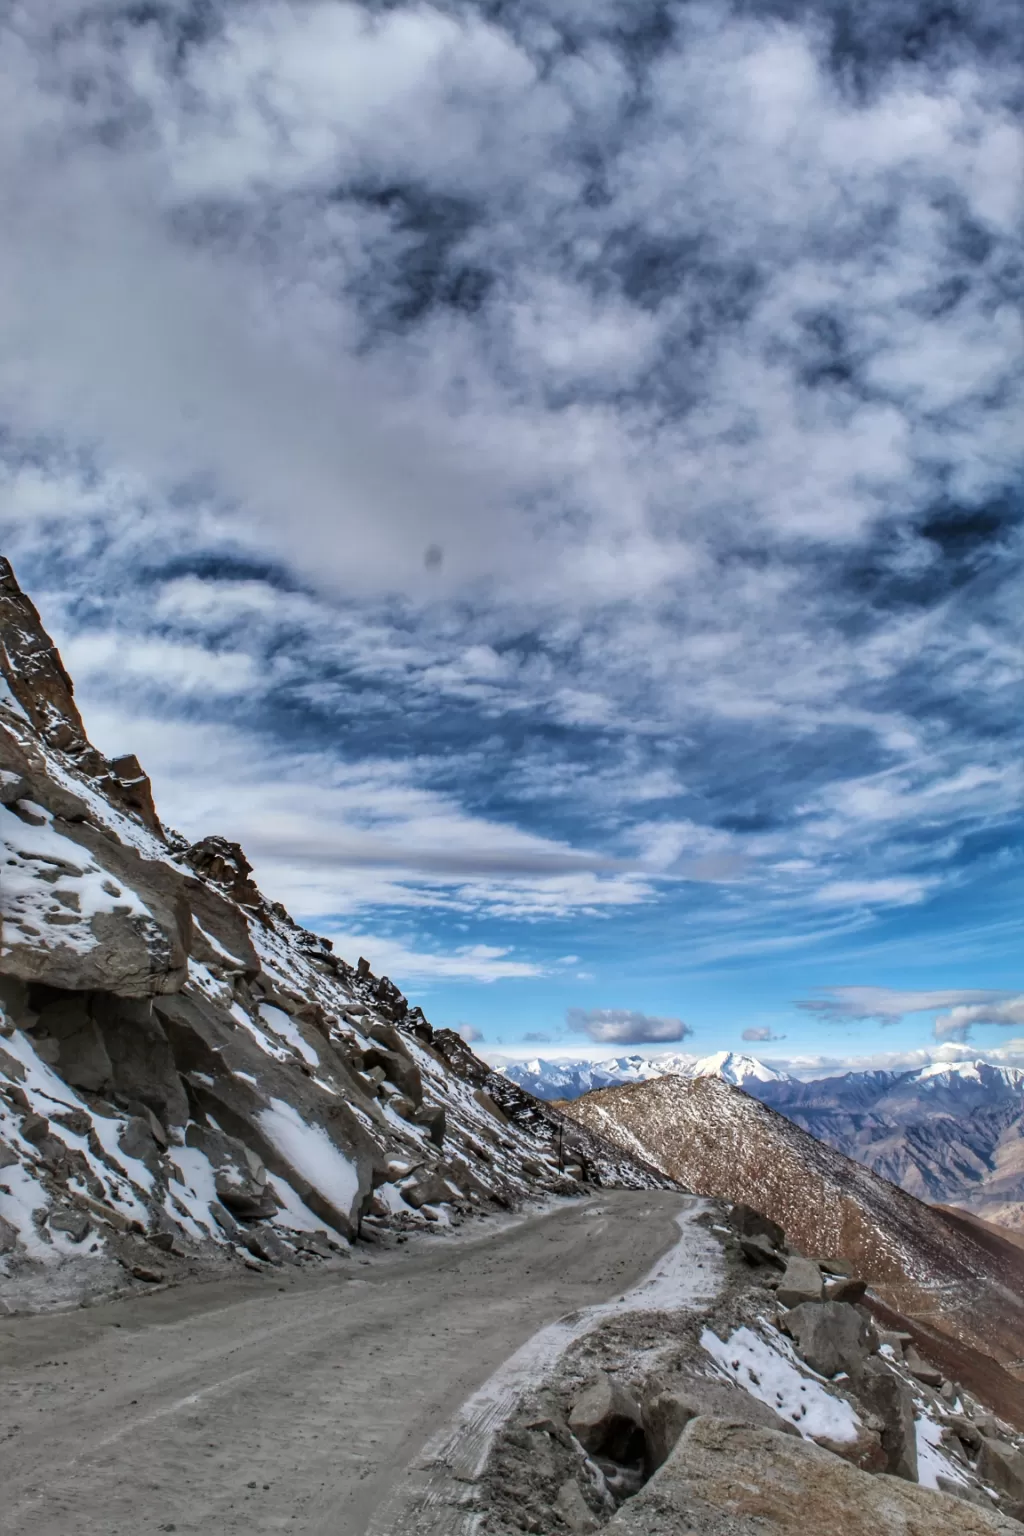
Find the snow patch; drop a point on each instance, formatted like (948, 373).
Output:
(312, 1153)
(767, 1369)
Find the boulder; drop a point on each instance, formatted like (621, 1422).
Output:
(137, 1140)
(8, 1236)
(845, 1290)
(930, 1375)
(1001, 1466)
(831, 1336)
(74, 1222)
(428, 1189)
(607, 1421)
(759, 1250)
(801, 1282)
(888, 1398)
(671, 1404)
(239, 1176)
(264, 1243)
(434, 1121)
(727, 1479)
(398, 1069)
(574, 1510)
(750, 1223)
(82, 1058)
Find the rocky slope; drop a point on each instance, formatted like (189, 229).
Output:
(917, 1262)
(188, 1079)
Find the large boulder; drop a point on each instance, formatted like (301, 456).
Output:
(1001, 1466)
(750, 1223)
(801, 1282)
(727, 1479)
(607, 1421)
(888, 1398)
(399, 1069)
(831, 1336)
(672, 1403)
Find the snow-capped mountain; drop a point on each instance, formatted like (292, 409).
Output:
(548, 1079)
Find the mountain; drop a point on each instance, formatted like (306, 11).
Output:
(951, 1134)
(189, 1080)
(568, 1079)
(965, 1288)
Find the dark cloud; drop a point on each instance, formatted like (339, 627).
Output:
(624, 1026)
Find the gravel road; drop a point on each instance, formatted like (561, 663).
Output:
(295, 1403)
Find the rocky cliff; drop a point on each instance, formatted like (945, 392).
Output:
(190, 1080)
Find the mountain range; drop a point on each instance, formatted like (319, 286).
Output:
(948, 1133)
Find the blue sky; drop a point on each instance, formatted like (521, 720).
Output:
(547, 480)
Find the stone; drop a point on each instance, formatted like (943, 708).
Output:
(8, 1159)
(801, 1282)
(434, 1121)
(487, 1104)
(574, 1510)
(607, 1421)
(1001, 1466)
(264, 1243)
(239, 1176)
(144, 1272)
(965, 1431)
(895, 1341)
(398, 1069)
(845, 1290)
(137, 1140)
(35, 1128)
(930, 1375)
(886, 1396)
(74, 1222)
(726, 1479)
(76, 1121)
(758, 1249)
(671, 1404)
(427, 1189)
(747, 1222)
(162, 1240)
(8, 1236)
(83, 1060)
(831, 1336)
(865, 1450)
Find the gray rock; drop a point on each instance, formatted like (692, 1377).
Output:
(888, 1397)
(1001, 1466)
(434, 1120)
(831, 1336)
(7, 1158)
(82, 1058)
(574, 1509)
(74, 1222)
(747, 1222)
(725, 1479)
(264, 1243)
(671, 1404)
(427, 1189)
(398, 1069)
(137, 1140)
(8, 1236)
(759, 1251)
(801, 1282)
(930, 1375)
(35, 1128)
(845, 1290)
(607, 1421)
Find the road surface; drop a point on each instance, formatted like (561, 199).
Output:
(296, 1403)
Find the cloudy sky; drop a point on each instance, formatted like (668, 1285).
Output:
(546, 478)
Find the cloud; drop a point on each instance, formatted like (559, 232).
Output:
(695, 359)
(624, 1026)
(890, 1005)
(948, 1053)
(536, 1037)
(958, 1023)
(763, 1034)
(470, 1033)
(467, 962)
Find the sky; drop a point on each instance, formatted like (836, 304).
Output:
(546, 479)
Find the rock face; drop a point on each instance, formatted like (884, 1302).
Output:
(607, 1421)
(182, 1066)
(727, 1479)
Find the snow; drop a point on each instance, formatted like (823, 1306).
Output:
(570, 1079)
(278, 1052)
(767, 1368)
(932, 1461)
(8, 698)
(312, 1153)
(196, 1191)
(40, 866)
(282, 1024)
(295, 1213)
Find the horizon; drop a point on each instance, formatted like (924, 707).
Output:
(546, 482)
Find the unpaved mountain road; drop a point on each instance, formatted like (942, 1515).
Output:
(294, 1406)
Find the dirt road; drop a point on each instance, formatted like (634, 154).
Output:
(293, 1406)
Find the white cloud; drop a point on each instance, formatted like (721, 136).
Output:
(624, 1026)
(467, 962)
(470, 1033)
(958, 1023)
(890, 1004)
(762, 1035)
